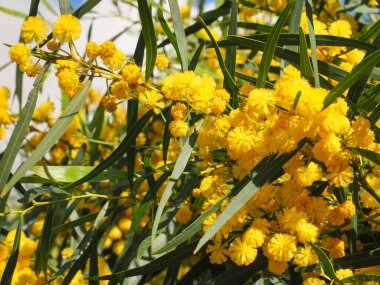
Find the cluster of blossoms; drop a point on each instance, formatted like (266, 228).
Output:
(311, 202)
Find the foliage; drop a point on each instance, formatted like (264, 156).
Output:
(239, 143)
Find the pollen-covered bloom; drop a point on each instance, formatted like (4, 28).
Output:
(161, 62)
(178, 128)
(34, 29)
(241, 252)
(67, 28)
(153, 100)
(20, 53)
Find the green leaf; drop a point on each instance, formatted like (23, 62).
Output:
(268, 172)
(270, 46)
(179, 167)
(327, 266)
(19, 134)
(370, 155)
(94, 268)
(160, 263)
(326, 69)
(231, 56)
(253, 80)
(132, 117)
(64, 7)
(81, 250)
(227, 76)
(313, 45)
(117, 153)
(9, 270)
(357, 72)
(195, 226)
(54, 134)
(43, 248)
(149, 35)
(195, 59)
(169, 214)
(208, 17)
(370, 190)
(140, 209)
(171, 37)
(359, 279)
(166, 137)
(85, 8)
(179, 33)
(33, 9)
(72, 173)
(305, 66)
(34, 193)
(13, 12)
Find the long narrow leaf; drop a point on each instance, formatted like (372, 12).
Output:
(271, 45)
(54, 134)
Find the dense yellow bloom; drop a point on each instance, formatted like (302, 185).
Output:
(260, 101)
(254, 237)
(43, 112)
(306, 175)
(115, 233)
(68, 80)
(183, 215)
(277, 267)
(132, 74)
(153, 100)
(20, 53)
(307, 232)
(93, 49)
(340, 28)
(161, 62)
(178, 111)
(344, 273)
(305, 256)
(110, 103)
(66, 29)
(121, 90)
(218, 254)
(178, 128)
(34, 28)
(241, 252)
(116, 61)
(240, 140)
(290, 218)
(313, 281)
(281, 247)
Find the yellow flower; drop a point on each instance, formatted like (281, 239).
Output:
(290, 218)
(242, 253)
(178, 111)
(66, 29)
(178, 128)
(93, 49)
(281, 247)
(19, 53)
(52, 45)
(132, 74)
(121, 90)
(115, 233)
(68, 80)
(107, 50)
(161, 62)
(124, 224)
(240, 140)
(305, 256)
(217, 253)
(183, 216)
(30, 68)
(116, 61)
(307, 232)
(344, 273)
(34, 28)
(254, 237)
(306, 175)
(24, 276)
(340, 28)
(153, 100)
(313, 281)
(109, 103)
(277, 267)
(67, 252)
